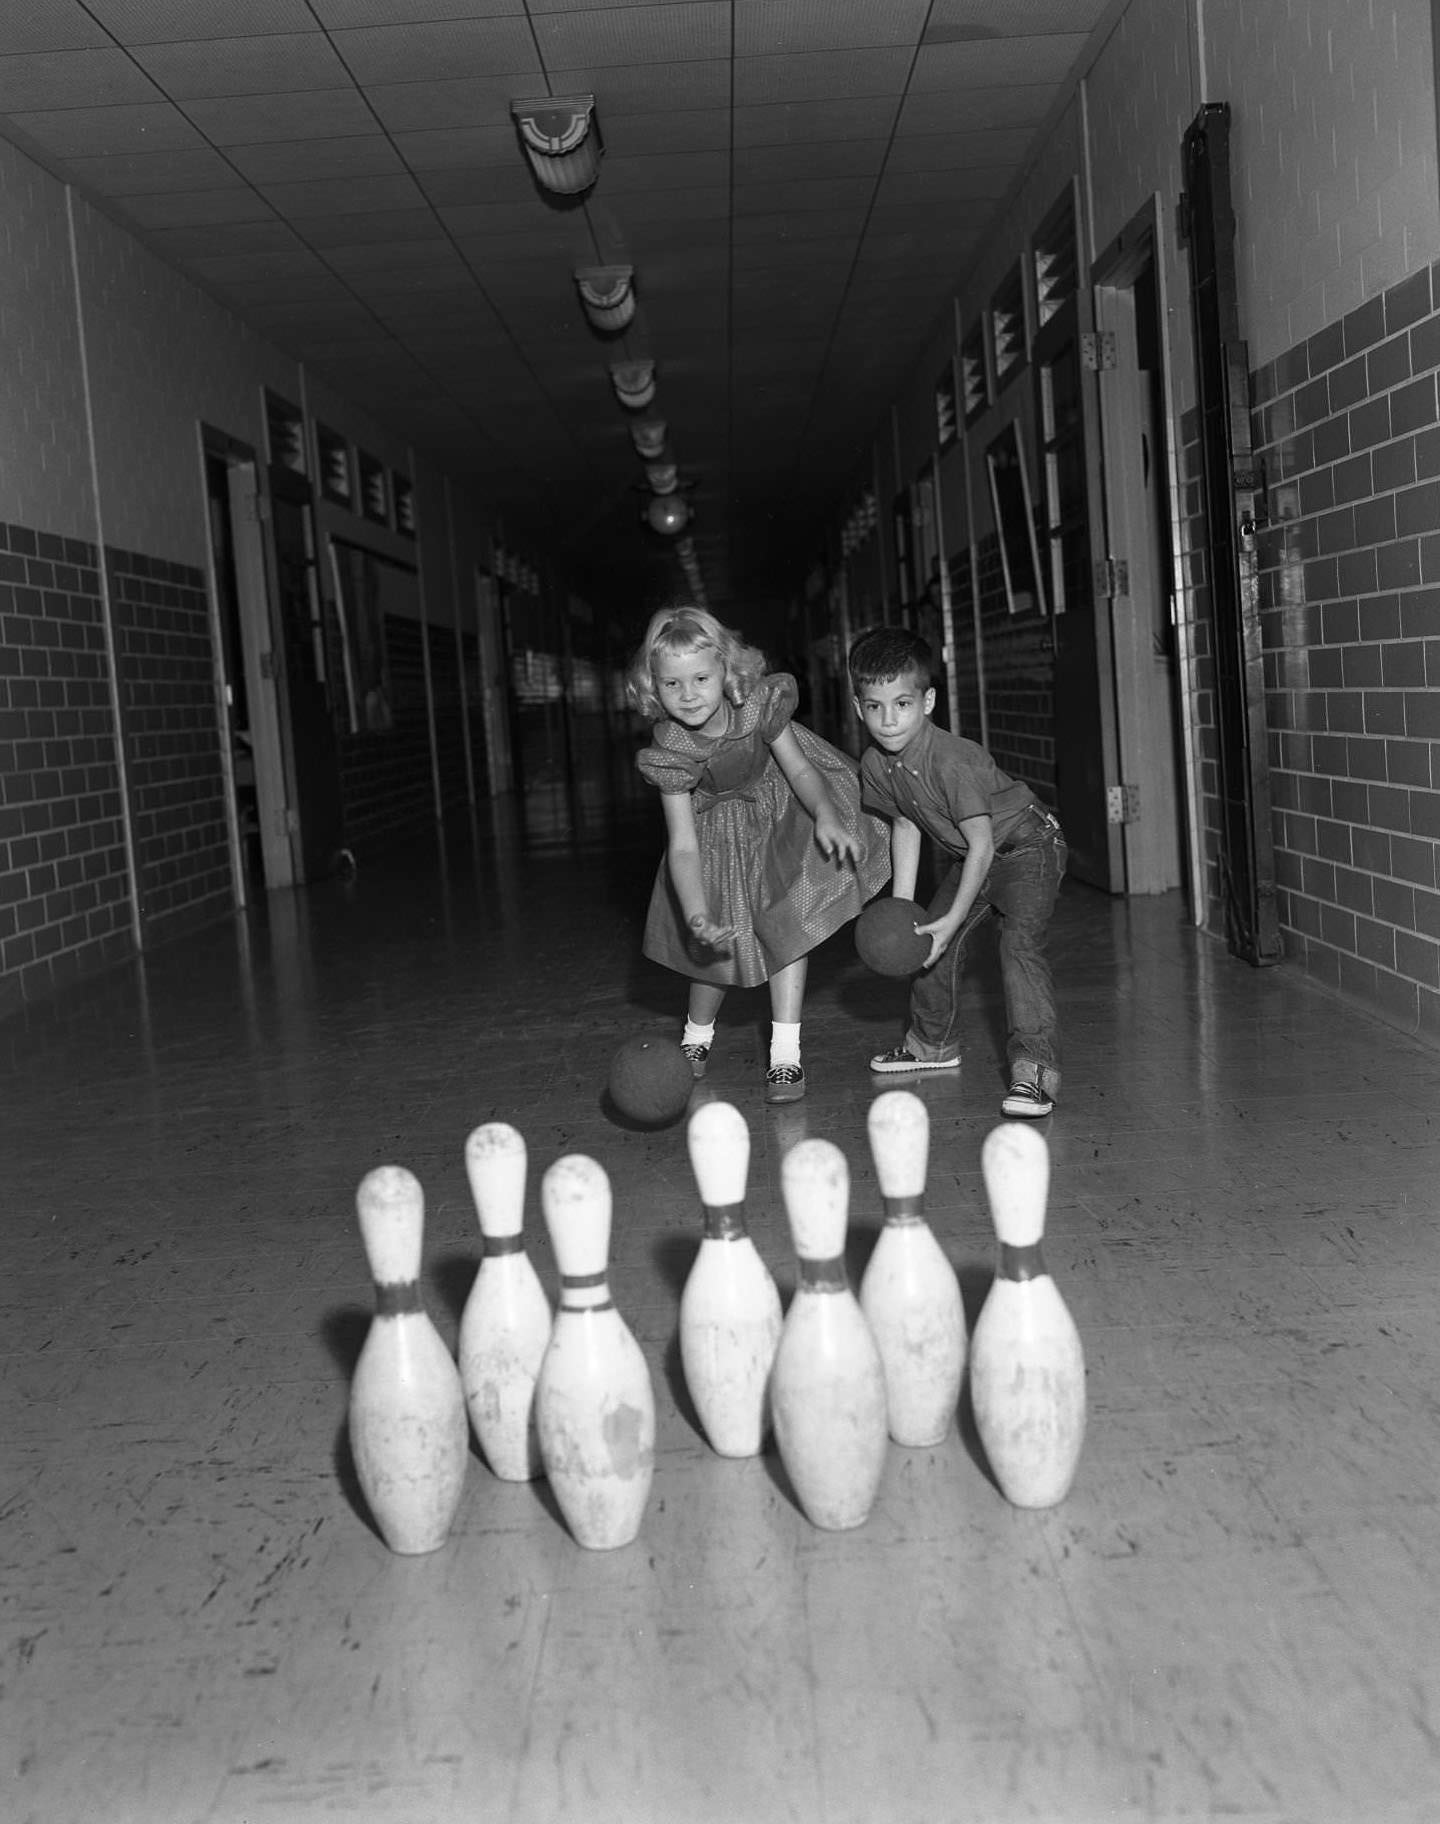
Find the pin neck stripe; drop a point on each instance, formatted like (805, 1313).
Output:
(903, 1209)
(504, 1244)
(398, 1298)
(1021, 1263)
(724, 1221)
(583, 1310)
(823, 1275)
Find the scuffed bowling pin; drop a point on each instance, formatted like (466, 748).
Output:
(407, 1411)
(506, 1321)
(1027, 1368)
(908, 1291)
(828, 1385)
(730, 1307)
(594, 1404)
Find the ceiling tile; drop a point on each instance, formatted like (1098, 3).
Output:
(425, 53)
(956, 19)
(958, 151)
(829, 159)
(193, 208)
(333, 196)
(816, 224)
(976, 110)
(650, 88)
(336, 14)
(67, 79)
(458, 148)
(681, 171)
(48, 25)
(694, 29)
(243, 66)
(940, 188)
(166, 21)
(247, 120)
(103, 132)
(359, 261)
(298, 160)
(416, 226)
(820, 76)
(796, 123)
(208, 240)
(764, 27)
(407, 107)
(510, 186)
(800, 194)
(135, 174)
(997, 63)
(676, 132)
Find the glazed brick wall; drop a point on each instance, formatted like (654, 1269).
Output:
(1347, 422)
(171, 720)
(64, 900)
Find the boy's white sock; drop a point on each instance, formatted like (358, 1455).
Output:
(784, 1042)
(698, 1035)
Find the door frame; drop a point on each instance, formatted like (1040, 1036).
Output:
(249, 537)
(1140, 244)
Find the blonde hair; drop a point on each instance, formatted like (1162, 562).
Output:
(674, 631)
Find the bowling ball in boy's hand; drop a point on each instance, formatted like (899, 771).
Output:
(651, 1080)
(885, 936)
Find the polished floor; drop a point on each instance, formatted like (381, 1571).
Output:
(1234, 1614)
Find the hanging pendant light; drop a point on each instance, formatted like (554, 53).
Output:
(607, 294)
(561, 140)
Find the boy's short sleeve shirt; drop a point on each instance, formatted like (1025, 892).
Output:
(938, 782)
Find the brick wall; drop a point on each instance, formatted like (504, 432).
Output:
(1347, 423)
(171, 720)
(64, 899)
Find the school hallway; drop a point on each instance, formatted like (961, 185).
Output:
(1234, 1612)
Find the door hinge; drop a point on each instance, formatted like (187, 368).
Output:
(267, 663)
(1122, 804)
(1112, 577)
(1097, 349)
(257, 508)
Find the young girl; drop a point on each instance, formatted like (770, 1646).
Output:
(768, 849)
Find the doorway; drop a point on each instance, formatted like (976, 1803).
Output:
(1147, 798)
(245, 663)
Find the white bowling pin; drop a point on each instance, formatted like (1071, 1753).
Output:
(908, 1291)
(594, 1404)
(407, 1410)
(730, 1307)
(1027, 1368)
(506, 1321)
(828, 1384)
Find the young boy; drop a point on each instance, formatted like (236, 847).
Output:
(1007, 856)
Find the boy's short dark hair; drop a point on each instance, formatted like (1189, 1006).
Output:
(882, 653)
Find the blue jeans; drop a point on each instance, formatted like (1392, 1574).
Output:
(1020, 888)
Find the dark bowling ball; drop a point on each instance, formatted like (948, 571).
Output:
(651, 1080)
(885, 936)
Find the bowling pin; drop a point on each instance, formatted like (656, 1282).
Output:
(506, 1321)
(594, 1404)
(908, 1291)
(828, 1384)
(407, 1410)
(1027, 1368)
(730, 1307)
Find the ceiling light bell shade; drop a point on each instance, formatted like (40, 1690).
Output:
(607, 294)
(634, 383)
(662, 477)
(561, 141)
(648, 436)
(668, 514)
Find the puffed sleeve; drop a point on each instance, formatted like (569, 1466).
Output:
(779, 698)
(668, 770)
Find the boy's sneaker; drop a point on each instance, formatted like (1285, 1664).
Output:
(784, 1083)
(902, 1059)
(1026, 1102)
(699, 1056)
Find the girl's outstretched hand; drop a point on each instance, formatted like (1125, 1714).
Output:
(705, 934)
(833, 838)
